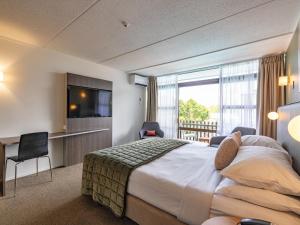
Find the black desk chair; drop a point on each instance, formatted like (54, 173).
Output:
(34, 145)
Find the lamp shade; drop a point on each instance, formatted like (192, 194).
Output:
(283, 81)
(273, 115)
(294, 128)
(1, 76)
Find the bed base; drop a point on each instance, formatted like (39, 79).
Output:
(145, 214)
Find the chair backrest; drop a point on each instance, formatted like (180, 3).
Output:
(150, 126)
(245, 130)
(33, 145)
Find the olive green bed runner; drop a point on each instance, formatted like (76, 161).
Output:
(106, 172)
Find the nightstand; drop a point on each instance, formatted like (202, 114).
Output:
(222, 220)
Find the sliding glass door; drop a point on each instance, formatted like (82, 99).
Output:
(199, 104)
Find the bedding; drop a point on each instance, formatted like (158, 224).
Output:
(258, 140)
(261, 197)
(181, 182)
(106, 172)
(266, 168)
(222, 205)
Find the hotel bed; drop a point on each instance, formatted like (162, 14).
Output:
(167, 189)
(179, 183)
(180, 187)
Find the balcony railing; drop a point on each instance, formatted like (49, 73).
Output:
(197, 130)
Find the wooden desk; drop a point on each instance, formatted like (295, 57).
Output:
(15, 140)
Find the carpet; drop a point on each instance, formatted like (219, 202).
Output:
(42, 202)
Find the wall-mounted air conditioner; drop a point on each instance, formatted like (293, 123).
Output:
(138, 80)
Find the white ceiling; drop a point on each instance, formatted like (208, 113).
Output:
(164, 36)
(244, 52)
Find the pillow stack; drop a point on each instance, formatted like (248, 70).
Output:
(258, 140)
(266, 168)
(261, 173)
(257, 196)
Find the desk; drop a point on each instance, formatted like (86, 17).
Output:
(15, 140)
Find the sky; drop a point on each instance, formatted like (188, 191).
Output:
(207, 95)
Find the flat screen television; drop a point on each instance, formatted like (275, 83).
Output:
(85, 102)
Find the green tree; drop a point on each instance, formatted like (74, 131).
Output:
(214, 109)
(192, 110)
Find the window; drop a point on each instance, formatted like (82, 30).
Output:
(234, 84)
(168, 105)
(238, 88)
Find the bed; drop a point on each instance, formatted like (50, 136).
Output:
(164, 183)
(179, 186)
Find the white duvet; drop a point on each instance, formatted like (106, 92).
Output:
(182, 182)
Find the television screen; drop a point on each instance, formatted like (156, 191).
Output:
(88, 102)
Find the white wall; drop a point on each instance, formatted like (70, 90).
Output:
(32, 98)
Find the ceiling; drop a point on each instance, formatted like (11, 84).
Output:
(163, 36)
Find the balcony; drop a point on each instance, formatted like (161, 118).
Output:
(200, 131)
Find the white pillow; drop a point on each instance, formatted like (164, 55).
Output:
(261, 197)
(257, 140)
(266, 168)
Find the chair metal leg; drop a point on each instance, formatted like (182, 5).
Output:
(6, 166)
(5, 171)
(15, 186)
(37, 166)
(50, 166)
(37, 171)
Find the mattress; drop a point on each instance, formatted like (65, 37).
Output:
(222, 205)
(182, 182)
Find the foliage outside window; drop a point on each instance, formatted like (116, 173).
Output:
(192, 110)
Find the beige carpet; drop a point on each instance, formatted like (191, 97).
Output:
(40, 202)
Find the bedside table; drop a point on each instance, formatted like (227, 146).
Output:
(222, 220)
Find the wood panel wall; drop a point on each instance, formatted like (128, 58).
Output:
(78, 146)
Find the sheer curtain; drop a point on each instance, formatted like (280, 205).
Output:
(238, 91)
(168, 105)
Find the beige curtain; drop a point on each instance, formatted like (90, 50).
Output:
(152, 99)
(270, 94)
